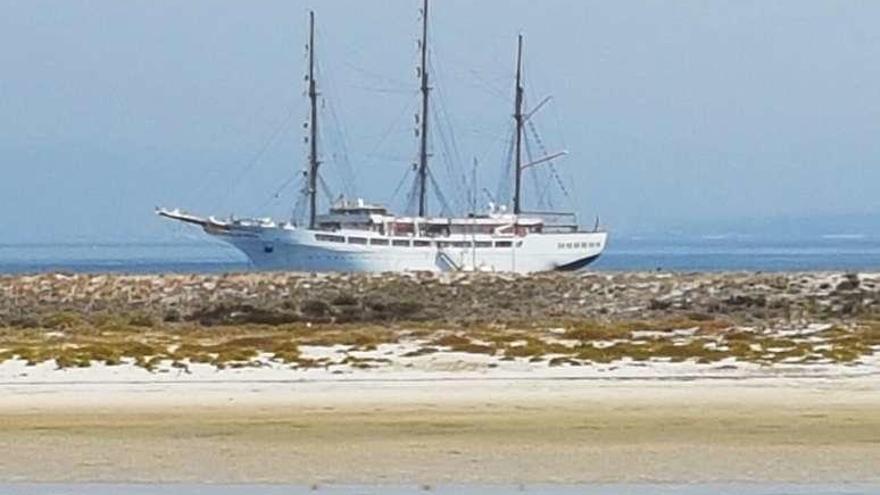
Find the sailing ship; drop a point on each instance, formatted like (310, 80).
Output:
(358, 236)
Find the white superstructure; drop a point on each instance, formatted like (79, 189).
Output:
(356, 236)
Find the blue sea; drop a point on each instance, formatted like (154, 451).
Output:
(672, 253)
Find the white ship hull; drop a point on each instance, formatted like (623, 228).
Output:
(291, 249)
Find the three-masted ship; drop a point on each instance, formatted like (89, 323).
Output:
(358, 236)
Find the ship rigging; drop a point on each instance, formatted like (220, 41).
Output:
(355, 235)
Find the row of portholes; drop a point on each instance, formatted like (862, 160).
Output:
(577, 245)
(362, 241)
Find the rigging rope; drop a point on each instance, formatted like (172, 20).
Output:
(259, 155)
(390, 129)
(532, 175)
(404, 87)
(298, 214)
(338, 141)
(399, 186)
(445, 209)
(444, 129)
(325, 188)
(412, 197)
(543, 200)
(550, 164)
(503, 191)
(277, 193)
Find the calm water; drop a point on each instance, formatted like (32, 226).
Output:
(721, 489)
(628, 253)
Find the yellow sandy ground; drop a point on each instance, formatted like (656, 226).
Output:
(812, 430)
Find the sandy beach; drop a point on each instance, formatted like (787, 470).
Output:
(472, 430)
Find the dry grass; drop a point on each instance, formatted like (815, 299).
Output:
(70, 341)
(458, 343)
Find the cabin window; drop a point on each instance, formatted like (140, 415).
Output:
(435, 230)
(357, 240)
(379, 242)
(483, 244)
(329, 238)
(419, 243)
(268, 249)
(443, 244)
(503, 244)
(518, 243)
(461, 244)
(402, 228)
(400, 242)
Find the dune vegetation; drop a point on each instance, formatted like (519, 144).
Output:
(363, 321)
(70, 341)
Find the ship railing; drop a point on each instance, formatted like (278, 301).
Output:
(561, 228)
(556, 221)
(563, 222)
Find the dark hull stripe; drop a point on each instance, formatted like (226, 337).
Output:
(577, 264)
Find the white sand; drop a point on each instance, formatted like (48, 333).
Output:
(439, 418)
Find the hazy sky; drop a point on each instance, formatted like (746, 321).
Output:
(673, 112)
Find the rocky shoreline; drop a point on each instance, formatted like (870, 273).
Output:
(343, 323)
(449, 299)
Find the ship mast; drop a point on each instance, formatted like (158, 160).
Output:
(518, 116)
(423, 145)
(313, 126)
